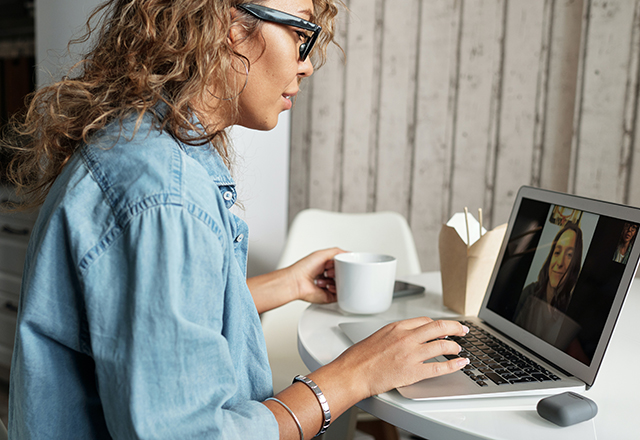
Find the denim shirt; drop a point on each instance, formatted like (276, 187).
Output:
(135, 320)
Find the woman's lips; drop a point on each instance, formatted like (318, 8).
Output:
(288, 101)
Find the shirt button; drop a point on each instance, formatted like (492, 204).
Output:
(239, 238)
(228, 195)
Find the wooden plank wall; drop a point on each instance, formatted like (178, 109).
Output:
(442, 104)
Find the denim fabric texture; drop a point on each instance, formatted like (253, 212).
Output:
(135, 320)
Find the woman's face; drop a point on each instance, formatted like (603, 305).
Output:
(630, 232)
(275, 67)
(561, 258)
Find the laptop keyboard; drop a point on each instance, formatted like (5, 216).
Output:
(492, 360)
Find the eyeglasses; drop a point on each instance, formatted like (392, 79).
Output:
(273, 15)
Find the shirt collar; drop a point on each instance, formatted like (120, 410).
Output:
(210, 159)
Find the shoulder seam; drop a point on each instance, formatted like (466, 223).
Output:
(122, 212)
(138, 209)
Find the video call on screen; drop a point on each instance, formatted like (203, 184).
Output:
(560, 273)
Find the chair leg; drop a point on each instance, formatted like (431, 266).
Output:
(379, 429)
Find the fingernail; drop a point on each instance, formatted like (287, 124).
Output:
(459, 349)
(465, 329)
(462, 362)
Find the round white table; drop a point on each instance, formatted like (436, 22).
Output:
(616, 390)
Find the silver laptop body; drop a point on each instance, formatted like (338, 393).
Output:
(559, 283)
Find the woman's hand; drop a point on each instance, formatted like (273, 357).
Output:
(313, 276)
(310, 279)
(393, 357)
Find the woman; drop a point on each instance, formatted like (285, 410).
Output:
(136, 319)
(627, 238)
(561, 268)
(543, 303)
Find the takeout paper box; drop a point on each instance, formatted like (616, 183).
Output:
(466, 270)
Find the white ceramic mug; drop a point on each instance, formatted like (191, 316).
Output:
(364, 281)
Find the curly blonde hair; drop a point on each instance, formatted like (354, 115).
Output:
(145, 52)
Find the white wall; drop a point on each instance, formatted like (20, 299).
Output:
(56, 22)
(262, 174)
(262, 165)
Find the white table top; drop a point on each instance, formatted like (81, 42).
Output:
(616, 390)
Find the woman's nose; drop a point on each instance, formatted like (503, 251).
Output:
(305, 68)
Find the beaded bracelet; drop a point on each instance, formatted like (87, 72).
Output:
(290, 412)
(326, 413)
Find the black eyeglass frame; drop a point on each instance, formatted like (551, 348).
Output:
(275, 16)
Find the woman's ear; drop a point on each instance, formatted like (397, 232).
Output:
(236, 30)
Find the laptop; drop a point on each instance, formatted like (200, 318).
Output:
(559, 283)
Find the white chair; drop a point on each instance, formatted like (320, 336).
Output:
(314, 229)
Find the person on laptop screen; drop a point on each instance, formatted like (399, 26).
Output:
(543, 303)
(627, 238)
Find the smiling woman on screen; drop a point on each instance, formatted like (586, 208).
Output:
(542, 305)
(136, 319)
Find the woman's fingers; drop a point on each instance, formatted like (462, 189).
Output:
(326, 283)
(395, 355)
(443, 328)
(426, 329)
(439, 347)
(412, 323)
(311, 276)
(435, 369)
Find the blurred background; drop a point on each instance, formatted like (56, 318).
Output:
(443, 104)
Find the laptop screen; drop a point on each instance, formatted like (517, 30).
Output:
(560, 272)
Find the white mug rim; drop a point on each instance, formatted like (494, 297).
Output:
(382, 258)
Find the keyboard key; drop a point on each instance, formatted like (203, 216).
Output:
(497, 379)
(525, 379)
(539, 376)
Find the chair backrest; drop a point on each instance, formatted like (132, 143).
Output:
(3, 432)
(380, 232)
